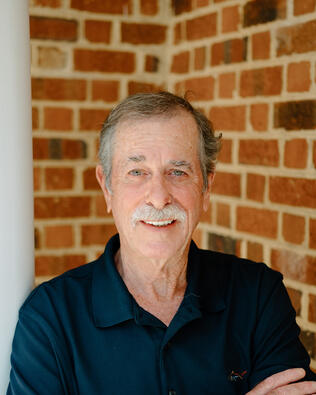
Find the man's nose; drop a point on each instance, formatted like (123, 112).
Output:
(158, 194)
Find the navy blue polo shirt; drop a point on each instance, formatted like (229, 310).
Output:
(83, 332)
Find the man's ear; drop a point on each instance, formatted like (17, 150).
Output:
(106, 193)
(207, 192)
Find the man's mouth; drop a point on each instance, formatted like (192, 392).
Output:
(159, 223)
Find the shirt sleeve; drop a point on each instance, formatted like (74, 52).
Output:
(276, 343)
(34, 362)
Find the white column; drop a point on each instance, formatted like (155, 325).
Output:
(16, 182)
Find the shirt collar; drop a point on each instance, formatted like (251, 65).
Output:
(112, 303)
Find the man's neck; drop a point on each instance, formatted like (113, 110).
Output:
(157, 286)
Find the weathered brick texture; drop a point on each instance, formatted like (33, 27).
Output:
(250, 66)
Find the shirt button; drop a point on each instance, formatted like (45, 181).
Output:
(172, 392)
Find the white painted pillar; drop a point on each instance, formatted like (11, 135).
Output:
(16, 182)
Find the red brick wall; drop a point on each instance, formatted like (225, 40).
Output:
(251, 67)
(86, 55)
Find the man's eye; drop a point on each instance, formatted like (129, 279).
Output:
(178, 173)
(135, 172)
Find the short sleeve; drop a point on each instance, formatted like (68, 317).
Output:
(276, 345)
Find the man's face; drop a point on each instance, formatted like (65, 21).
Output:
(157, 185)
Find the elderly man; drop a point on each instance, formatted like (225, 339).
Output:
(154, 314)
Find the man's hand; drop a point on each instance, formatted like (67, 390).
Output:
(280, 384)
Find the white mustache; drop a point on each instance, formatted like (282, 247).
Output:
(146, 213)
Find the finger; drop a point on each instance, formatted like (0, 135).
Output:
(303, 388)
(277, 380)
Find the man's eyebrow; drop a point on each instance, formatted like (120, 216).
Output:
(136, 158)
(181, 163)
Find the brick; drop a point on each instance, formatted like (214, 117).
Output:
(37, 239)
(202, 3)
(50, 265)
(312, 308)
(312, 233)
(259, 113)
(254, 251)
(149, 7)
(100, 206)
(62, 207)
(255, 187)
(53, 29)
(59, 149)
(293, 228)
(227, 184)
(104, 61)
(266, 81)
(230, 51)
(58, 118)
(177, 33)
(227, 85)
(263, 11)
(230, 19)
(151, 63)
(225, 155)
(296, 39)
(107, 91)
(304, 7)
(199, 58)
(225, 244)
(143, 33)
(37, 178)
(41, 148)
(180, 62)
(296, 267)
(231, 118)
(202, 88)
(298, 77)
(295, 154)
(223, 214)
(59, 178)
(295, 115)
(181, 6)
(206, 216)
(52, 58)
(98, 31)
(261, 222)
(293, 191)
(259, 152)
(92, 119)
(201, 27)
(104, 6)
(260, 45)
(97, 234)
(89, 179)
(71, 149)
(46, 3)
(35, 118)
(138, 87)
(296, 299)
(58, 89)
(59, 236)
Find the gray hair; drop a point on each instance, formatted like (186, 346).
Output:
(147, 105)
